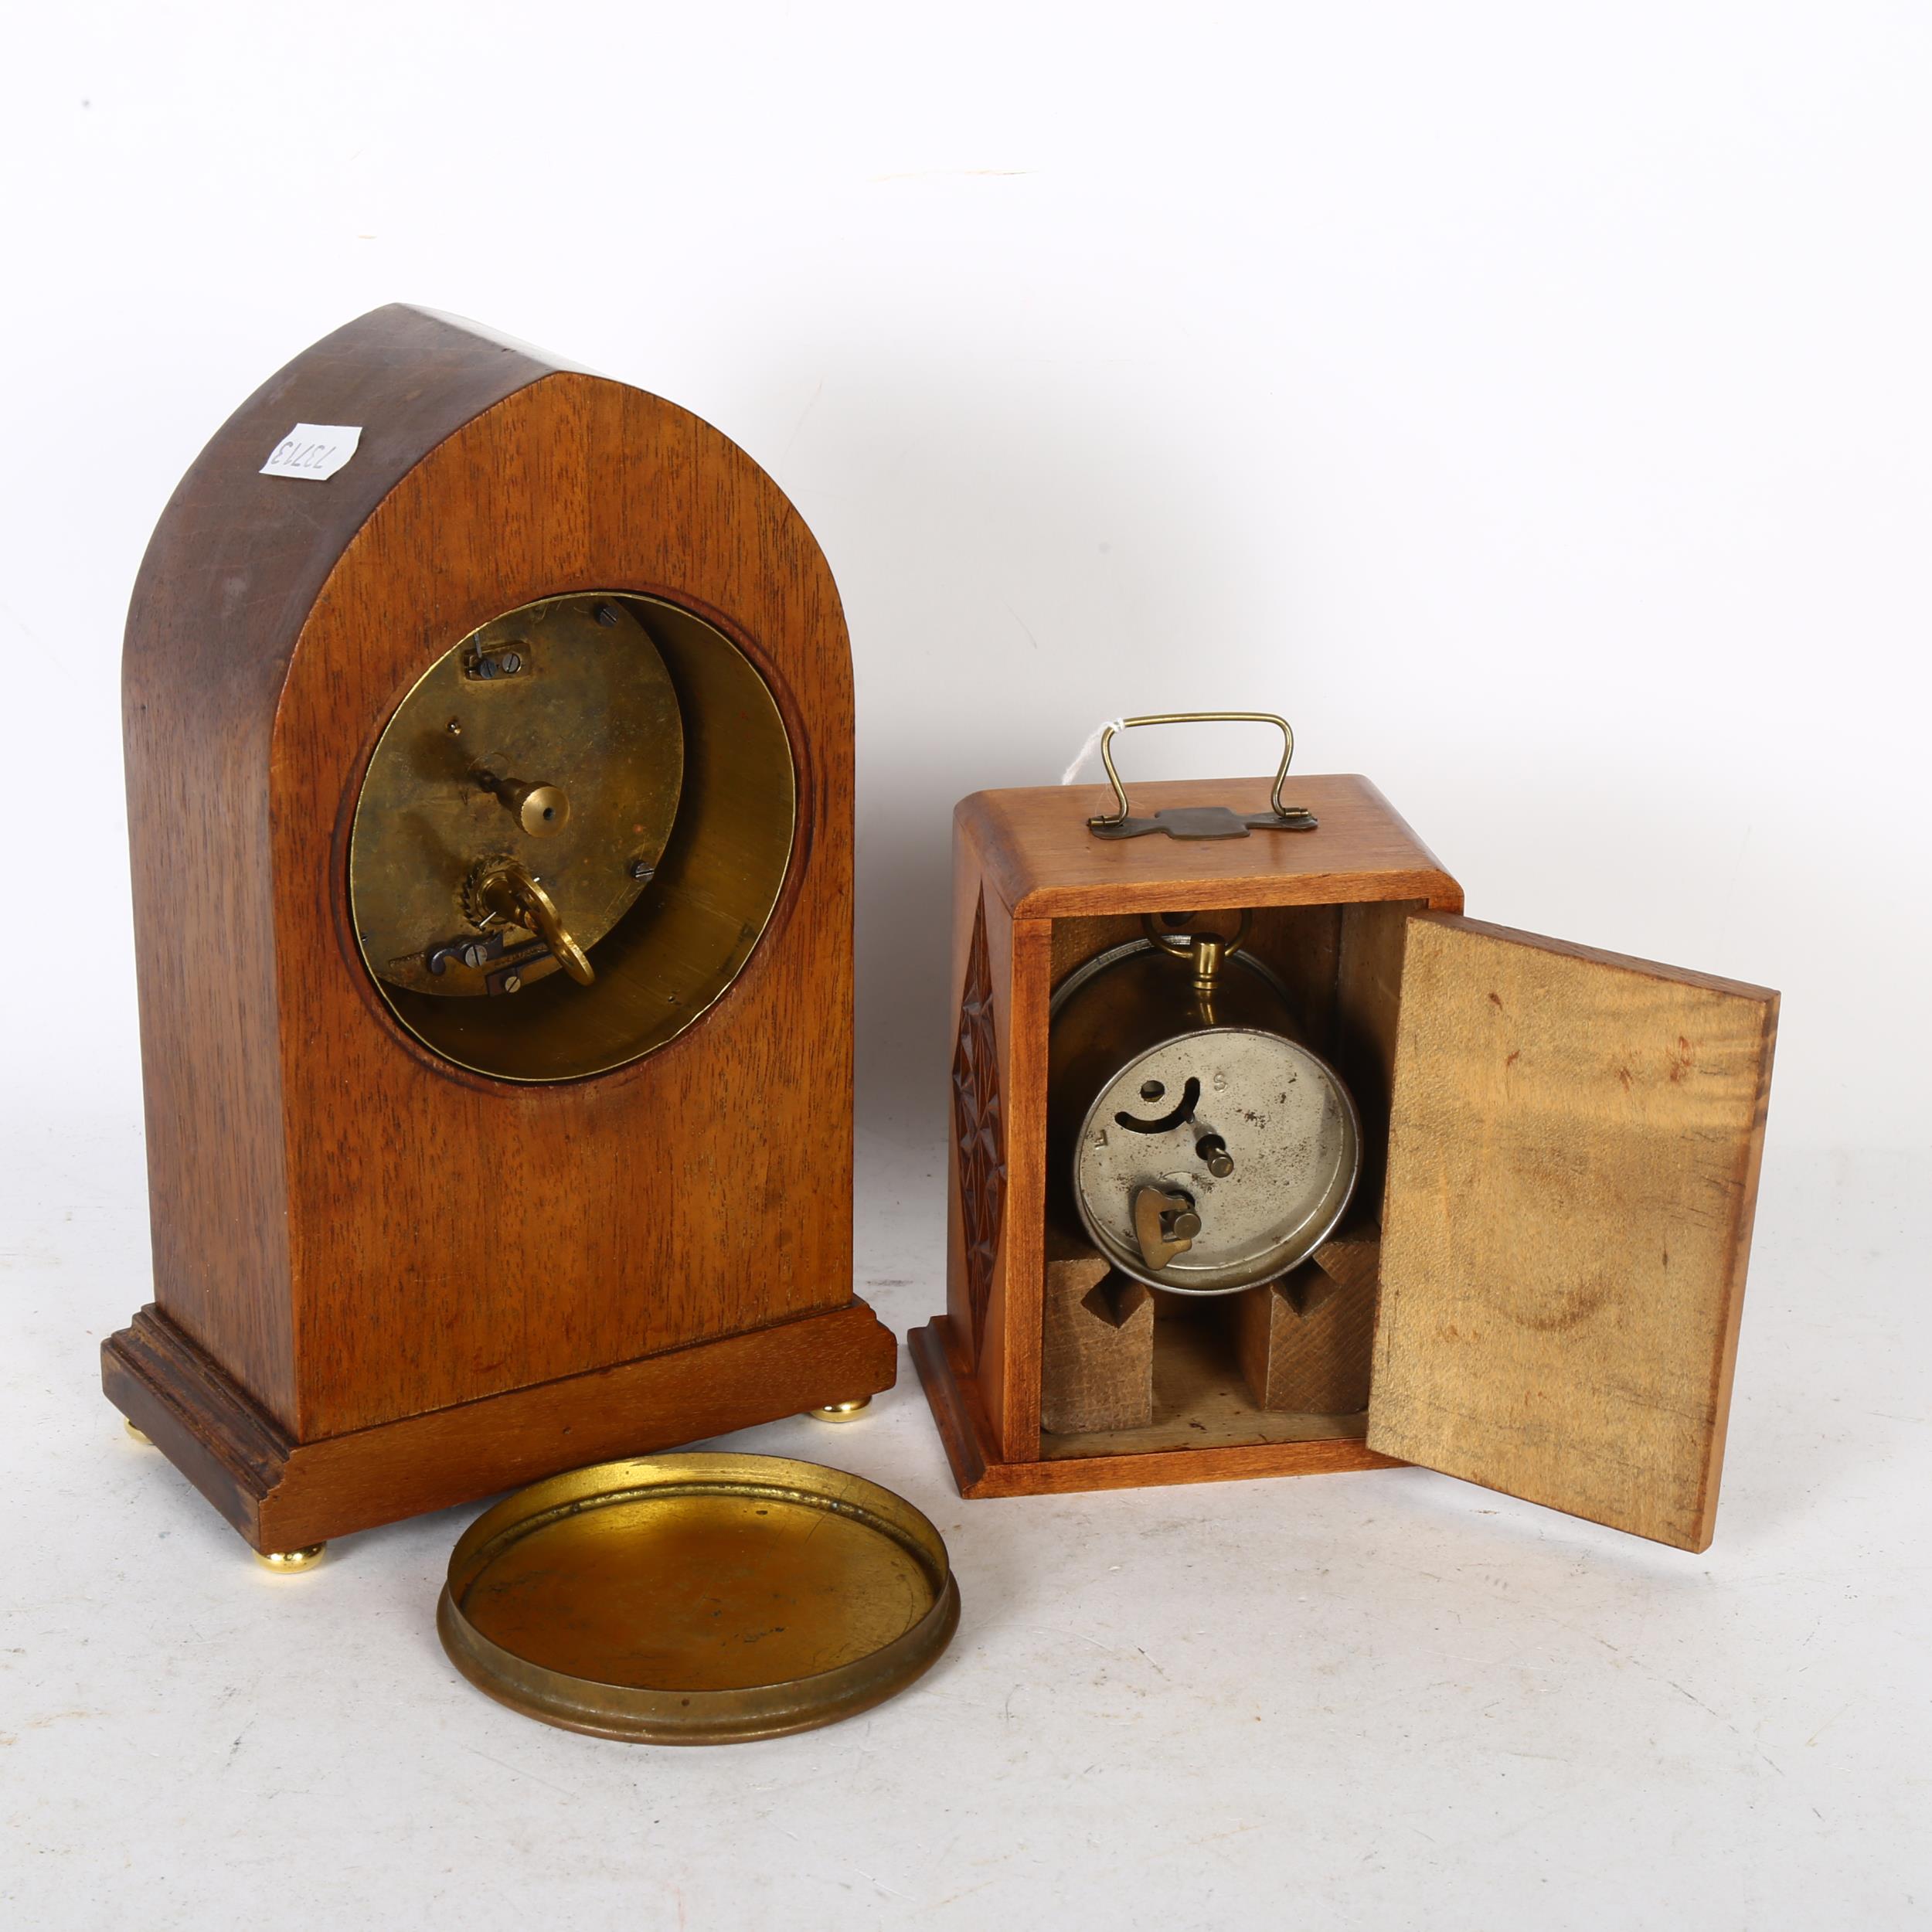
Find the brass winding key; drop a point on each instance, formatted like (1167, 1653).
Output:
(507, 889)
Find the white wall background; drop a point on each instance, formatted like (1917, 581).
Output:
(1534, 403)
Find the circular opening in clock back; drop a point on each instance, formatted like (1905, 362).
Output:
(571, 836)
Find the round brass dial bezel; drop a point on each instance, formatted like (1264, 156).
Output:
(713, 872)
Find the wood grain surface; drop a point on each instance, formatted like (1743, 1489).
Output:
(1076, 1463)
(1053, 896)
(1203, 1396)
(284, 1494)
(1305, 1344)
(352, 1228)
(1096, 1350)
(985, 1314)
(230, 576)
(1353, 1255)
(1573, 1169)
(979, 1135)
(1046, 864)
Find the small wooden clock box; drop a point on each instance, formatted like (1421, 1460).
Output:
(489, 738)
(1536, 1284)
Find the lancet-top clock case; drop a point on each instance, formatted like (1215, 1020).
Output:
(491, 814)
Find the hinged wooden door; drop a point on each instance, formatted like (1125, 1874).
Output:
(1573, 1168)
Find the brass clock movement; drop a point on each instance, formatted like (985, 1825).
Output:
(489, 753)
(513, 827)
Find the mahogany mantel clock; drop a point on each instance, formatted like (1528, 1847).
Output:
(489, 761)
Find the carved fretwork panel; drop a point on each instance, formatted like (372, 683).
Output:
(977, 1129)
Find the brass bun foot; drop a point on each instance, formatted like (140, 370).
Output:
(284, 1560)
(140, 1435)
(841, 1411)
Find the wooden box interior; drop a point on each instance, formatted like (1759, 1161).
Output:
(1342, 965)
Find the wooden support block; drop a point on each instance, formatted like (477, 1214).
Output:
(1097, 1368)
(1305, 1343)
(1354, 1258)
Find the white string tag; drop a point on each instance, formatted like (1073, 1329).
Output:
(1092, 745)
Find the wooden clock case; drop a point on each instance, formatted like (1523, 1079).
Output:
(383, 1283)
(1546, 1253)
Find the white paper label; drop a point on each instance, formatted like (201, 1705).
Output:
(313, 450)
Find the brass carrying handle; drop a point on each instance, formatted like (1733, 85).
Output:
(513, 894)
(1196, 717)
